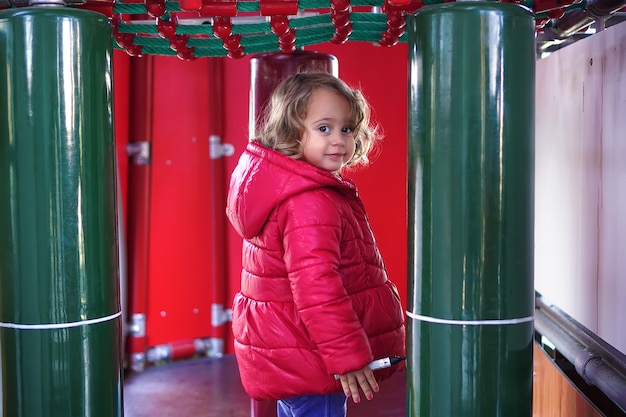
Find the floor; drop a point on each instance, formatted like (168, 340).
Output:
(210, 387)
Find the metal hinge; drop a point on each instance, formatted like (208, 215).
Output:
(217, 149)
(219, 315)
(138, 325)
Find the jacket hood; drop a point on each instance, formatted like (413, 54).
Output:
(263, 179)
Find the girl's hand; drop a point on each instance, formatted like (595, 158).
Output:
(363, 378)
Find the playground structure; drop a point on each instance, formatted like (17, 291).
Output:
(229, 30)
(191, 29)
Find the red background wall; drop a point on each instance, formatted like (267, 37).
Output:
(180, 270)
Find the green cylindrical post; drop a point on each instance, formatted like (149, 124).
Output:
(471, 204)
(60, 319)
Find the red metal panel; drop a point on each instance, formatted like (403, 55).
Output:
(218, 183)
(236, 111)
(179, 306)
(140, 100)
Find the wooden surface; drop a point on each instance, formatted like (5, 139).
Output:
(553, 394)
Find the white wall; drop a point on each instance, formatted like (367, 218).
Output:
(580, 209)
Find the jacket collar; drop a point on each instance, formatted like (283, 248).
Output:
(264, 178)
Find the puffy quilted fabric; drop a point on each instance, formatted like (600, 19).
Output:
(315, 299)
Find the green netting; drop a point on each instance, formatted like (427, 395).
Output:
(312, 25)
(248, 6)
(137, 28)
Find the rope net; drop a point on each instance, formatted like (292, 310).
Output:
(192, 29)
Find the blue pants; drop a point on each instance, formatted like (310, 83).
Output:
(327, 405)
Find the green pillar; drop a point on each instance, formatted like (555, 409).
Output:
(471, 163)
(60, 320)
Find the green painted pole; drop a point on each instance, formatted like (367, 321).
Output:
(60, 319)
(471, 162)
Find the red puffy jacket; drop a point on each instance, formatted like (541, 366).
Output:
(315, 299)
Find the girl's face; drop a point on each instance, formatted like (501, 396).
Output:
(328, 141)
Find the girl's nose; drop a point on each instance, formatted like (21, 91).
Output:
(337, 139)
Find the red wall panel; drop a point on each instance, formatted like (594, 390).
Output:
(236, 110)
(179, 298)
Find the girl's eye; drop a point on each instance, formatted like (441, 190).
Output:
(324, 129)
(347, 130)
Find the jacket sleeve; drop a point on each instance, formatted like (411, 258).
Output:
(312, 229)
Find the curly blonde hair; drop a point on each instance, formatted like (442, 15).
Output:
(283, 123)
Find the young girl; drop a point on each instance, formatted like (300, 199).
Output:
(315, 306)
